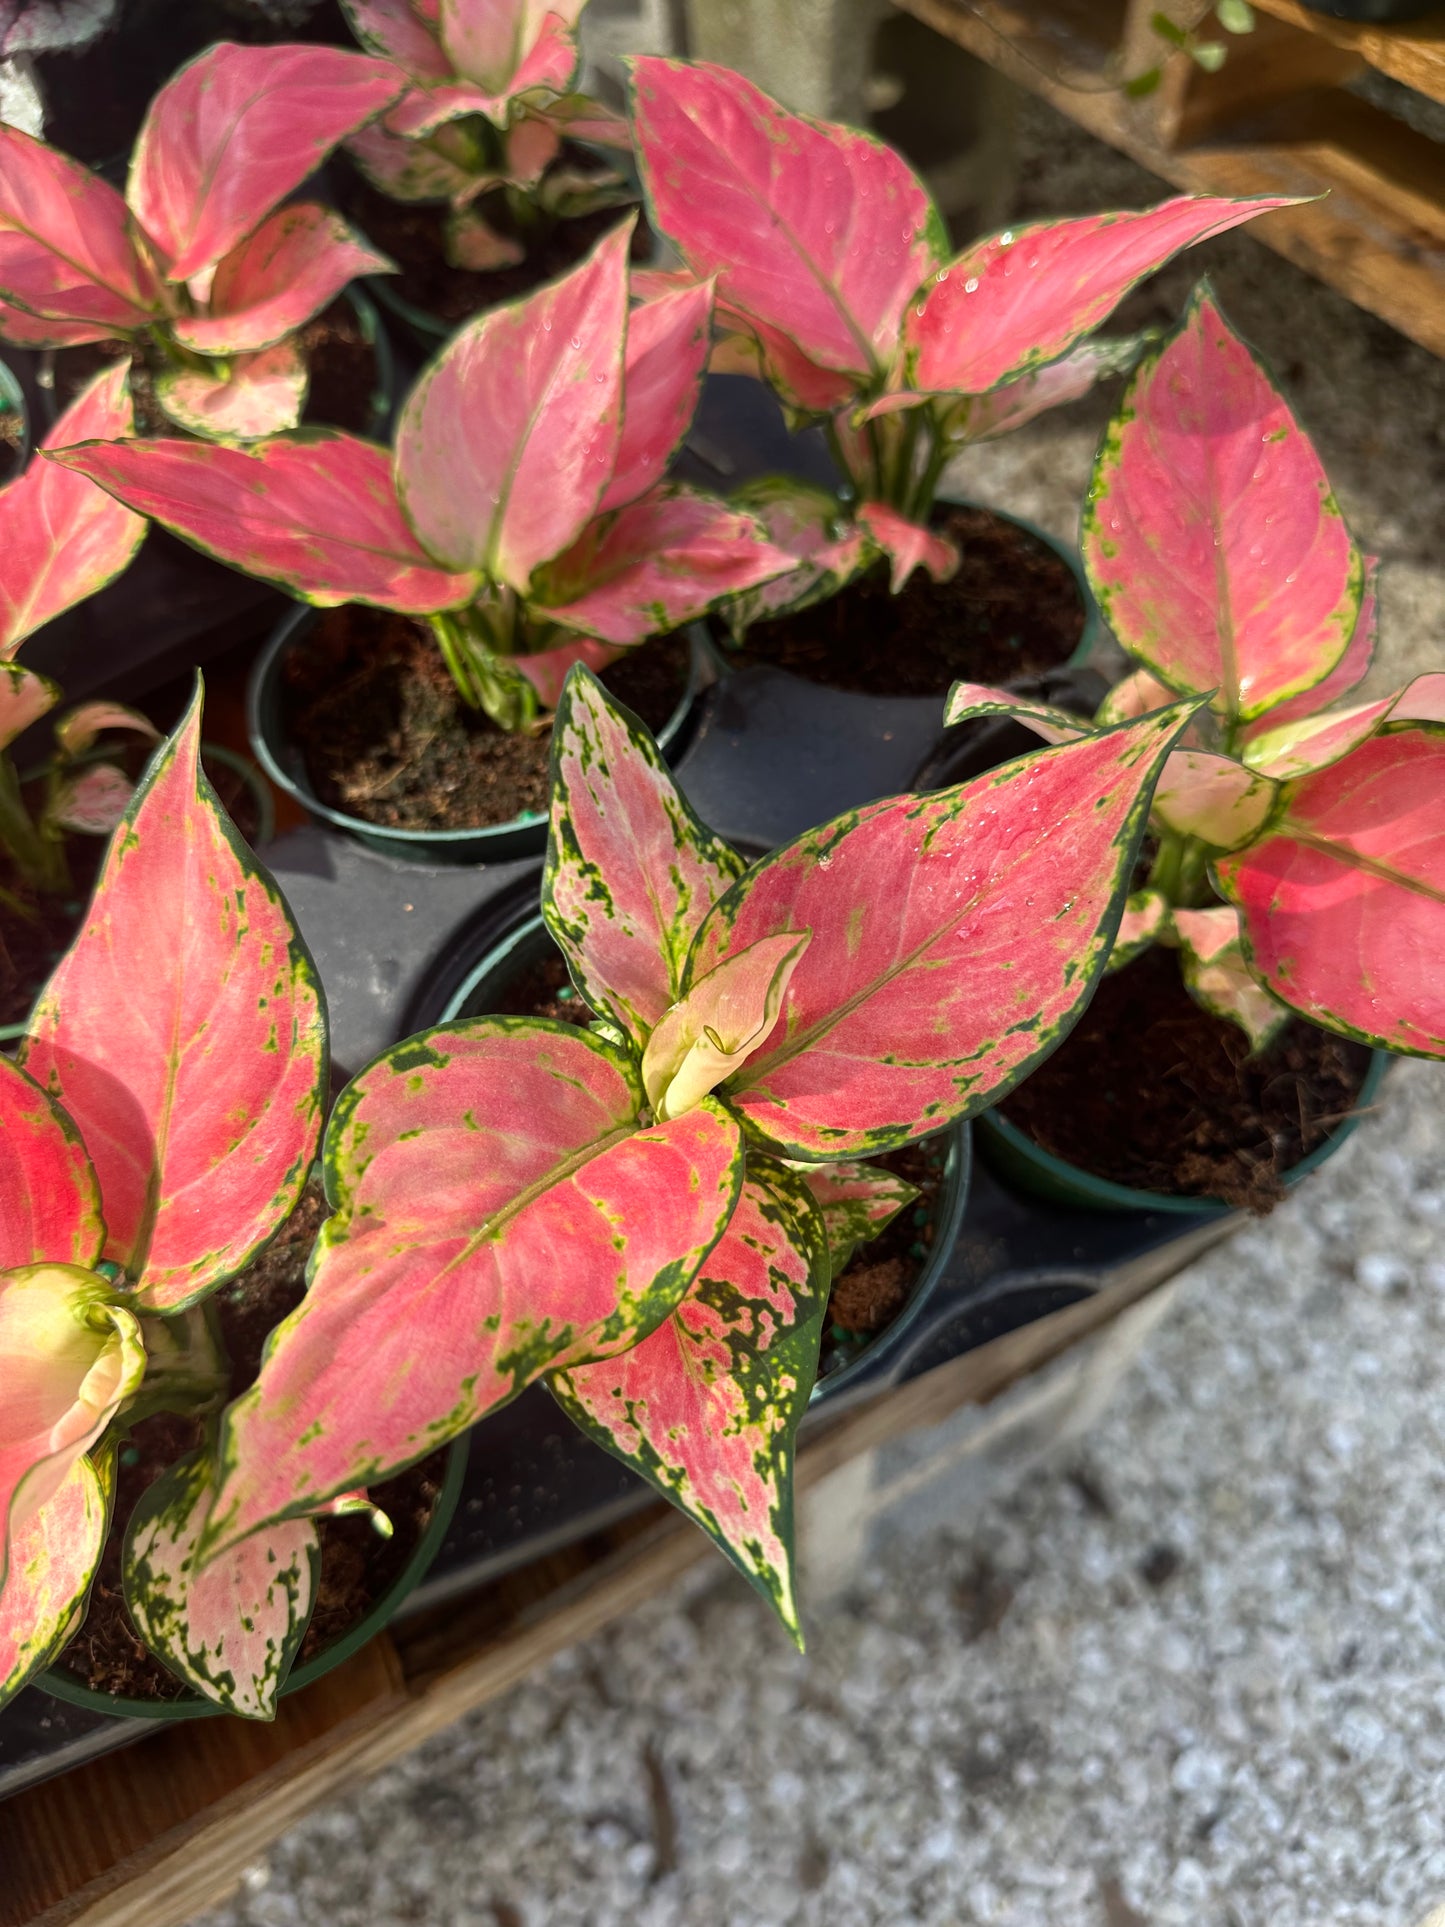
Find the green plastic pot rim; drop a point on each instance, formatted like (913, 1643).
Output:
(64, 1686)
(1101, 1194)
(953, 1196)
(488, 840)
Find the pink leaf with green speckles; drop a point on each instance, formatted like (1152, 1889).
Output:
(656, 564)
(707, 1408)
(408, 170)
(66, 253)
(232, 1630)
(53, 1557)
(242, 399)
(1219, 980)
(509, 46)
(969, 701)
(547, 669)
(1211, 539)
(93, 802)
(1342, 900)
(202, 1110)
(1022, 298)
(1145, 919)
(499, 1214)
(316, 513)
(1351, 669)
(30, 331)
(234, 132)
(398, 31)
(667, 350)
(49, 1199)
(508, 441)
(956, 939)
(631, 872)
(1298, 748)
(276, 279)
(813, 230)
(62, 537)
(1213, 798)
(907, 545)
(805, 522)
(24, 699)
(857, 1202)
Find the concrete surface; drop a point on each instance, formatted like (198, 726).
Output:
(1192, 1675)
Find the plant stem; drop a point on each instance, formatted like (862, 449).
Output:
(480, 655)
(40, 859)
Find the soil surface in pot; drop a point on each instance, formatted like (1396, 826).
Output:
(35, 931)
(1152, 1092)
(357, 1564)
(373, 709)
(878, 1280)
(413, 234)
(344, 375)
(1013, 609)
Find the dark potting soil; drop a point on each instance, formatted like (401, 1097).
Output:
(1153, 1092)
(376, 715)
(878, 1279)
(1013, 609)
(344, 375)
(413, 234)
(357, 1564)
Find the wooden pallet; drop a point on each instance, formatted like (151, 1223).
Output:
(1276, 119)
(151, 1836)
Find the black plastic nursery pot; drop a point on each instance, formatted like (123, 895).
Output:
(61, 1685)
(522, 836)
(1373, 12)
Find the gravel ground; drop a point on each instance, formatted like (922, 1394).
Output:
(1193, 1677)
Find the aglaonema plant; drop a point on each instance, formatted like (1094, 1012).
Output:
(645, 1214)
(1299, 858)
(199, 267)
(523, 513)
(490, 100)
(159, 1122)
(836, 284)
(63, 538)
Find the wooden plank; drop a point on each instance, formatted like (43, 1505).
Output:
(151, 1836)
(1413, 54)
(1376, 238)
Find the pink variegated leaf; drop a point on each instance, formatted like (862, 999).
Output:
(234, 132)
(812, 229)
(239, 400)
(24, 699)
(857, 1201)
(1135, 696)
(571, 193)
(407, 170)
(53, 1557)
(532, 145)
(707, 1408)
(1218, 978)
(508, 441)
(276, 279)
(73, 1355)
(61, 537)
(29, 331)
(93, 803)
(425, 110)
(398, 31)
(213, 1087)
(316, 513)
(631, 872)
(511, 46)
(232, 1630)
(908, 545)
(968, 701)
(804, 522)
(712, 1031)
(1348, 673)
(472, 242)
(1298, 748)
(806, 391)
(49, 1199)
(1211, 539)
(65, 248)
(547, 669)
(1145, 921)
(656, 564)
(581, 118)
(1214, 798)
(1022, 298)
(667, 351)
(79, 727)
(950, 953)
(1343, 898)
(983, 418)
(460, 1164)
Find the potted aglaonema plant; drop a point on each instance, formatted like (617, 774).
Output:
(223, 298)
(160, 1121)
(484, 179)
(836, 285)
(642, 1211)
(1296, 866)
(522, 524)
